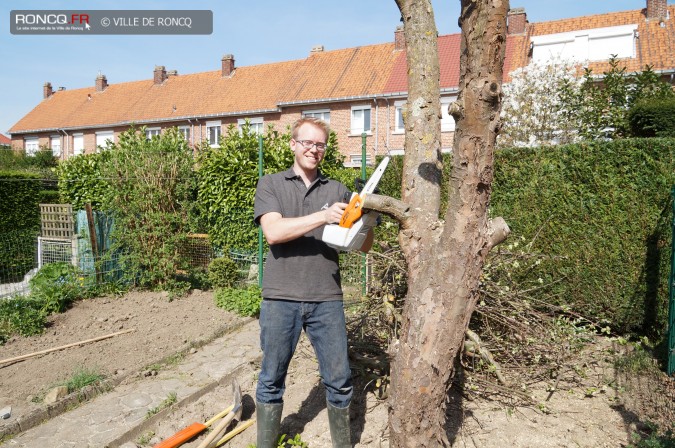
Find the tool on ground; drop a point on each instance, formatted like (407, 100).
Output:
(235, 412)
(100, 338)
(188, 433)
(235, 431)
(355, 225)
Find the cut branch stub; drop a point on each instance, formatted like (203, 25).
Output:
(498, 231)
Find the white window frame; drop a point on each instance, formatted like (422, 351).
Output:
(322, 114)
(358, 123)
(447, 120)
(31, 146)
(152, 132)
(213, 132)
(355, 160)
(185, 130)
(102, 139)
(257, 124)
(399, 127)
(55, 145)
(78, 144)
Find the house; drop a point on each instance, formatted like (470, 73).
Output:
(358, 90)
(5, 142)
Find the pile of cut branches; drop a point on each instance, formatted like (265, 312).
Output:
(518, 335)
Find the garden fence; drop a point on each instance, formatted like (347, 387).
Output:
(23, 252)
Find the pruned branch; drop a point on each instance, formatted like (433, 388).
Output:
(395, 208)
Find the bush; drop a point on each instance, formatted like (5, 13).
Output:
(244, 302)
(653, 118)
(21, 315)
(600, 214)
(57, 285)
(81, 181)
(149, 194)
(228, 176)
(223, 272)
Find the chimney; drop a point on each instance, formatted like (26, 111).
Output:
(657, 9)
(227, 65)
(399, 38)
(159, 74)
(101, 83)
(316, 49)
(516, 21)
(47, 90)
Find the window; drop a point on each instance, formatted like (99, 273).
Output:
(152, 132)
(185, 130)
(213, 133)
(103, 138)
(78, 144)
(360, 120)
(355, 160)
(55, 144)
(322, 114)
(447, 121)
(257, 125)
(31, 145)
(399, 128)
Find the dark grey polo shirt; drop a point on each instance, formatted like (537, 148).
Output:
(305, 269)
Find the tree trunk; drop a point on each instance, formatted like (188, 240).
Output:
(445, 257)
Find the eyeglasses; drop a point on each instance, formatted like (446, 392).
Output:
(308, 144)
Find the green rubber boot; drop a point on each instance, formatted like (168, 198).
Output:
(268, 418)
(338, 419)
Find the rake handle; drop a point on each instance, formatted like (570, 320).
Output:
(214, 434)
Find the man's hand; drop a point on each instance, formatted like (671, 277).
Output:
(333, 214)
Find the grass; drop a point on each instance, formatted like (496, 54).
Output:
(169, 361)
(170, 400)
(145, 438)
(82, 378)
(638, 360)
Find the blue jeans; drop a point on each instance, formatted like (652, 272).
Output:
(281, 322)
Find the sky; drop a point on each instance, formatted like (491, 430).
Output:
(271, 31)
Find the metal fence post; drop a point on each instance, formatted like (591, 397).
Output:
(671, 289)
(260, 234)
(363, 177)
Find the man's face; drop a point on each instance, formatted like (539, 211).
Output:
(309, 158)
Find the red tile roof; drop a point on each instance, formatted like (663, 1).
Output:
(655, 44)
(4, 140)
(323, 76)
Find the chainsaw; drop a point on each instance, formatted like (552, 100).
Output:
(354, 225)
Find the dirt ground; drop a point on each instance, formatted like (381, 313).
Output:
(586, 412)
(160, 328)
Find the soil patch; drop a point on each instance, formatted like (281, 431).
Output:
(162, 328)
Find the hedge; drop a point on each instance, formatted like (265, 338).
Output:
(20, 194)
(600, 214)
(655, 118)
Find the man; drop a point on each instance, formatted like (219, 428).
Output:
(301, 285)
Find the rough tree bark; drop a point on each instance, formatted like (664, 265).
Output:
(445, 256)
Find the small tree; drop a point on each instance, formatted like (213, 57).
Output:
(599, 107)
(150, 188)
(532, 110)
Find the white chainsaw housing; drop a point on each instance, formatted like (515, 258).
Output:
(348, 239)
